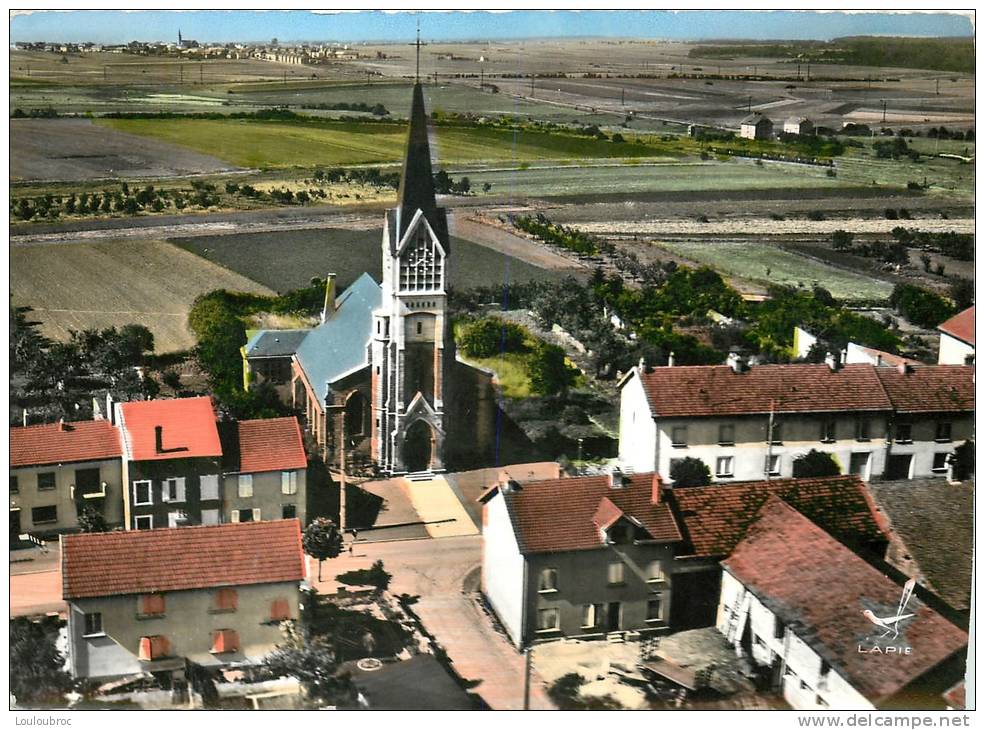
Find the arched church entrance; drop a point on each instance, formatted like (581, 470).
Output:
(418, 447)
(355, 414)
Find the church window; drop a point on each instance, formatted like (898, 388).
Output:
(421, 264)
(420, 327)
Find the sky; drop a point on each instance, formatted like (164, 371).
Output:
(120, 26)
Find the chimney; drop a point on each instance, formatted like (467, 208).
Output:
(61, 425)
(878, 361)
(832, 361)
(329, 306)
(642, 365)
(656, 486)
(159, 439)
(735, 362)
(25, 417)
(904, 368)
(670, 359)
(616, 478)
(110, 409)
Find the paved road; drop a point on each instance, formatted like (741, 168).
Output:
(435, 570)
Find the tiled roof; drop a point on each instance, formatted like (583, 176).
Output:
(275, 343)
(717, 390)
(556, 515)
(818, 588)
(961, 326)
(930, 388)
(182, 558)
(188, 429)
(266, 444)
(338, 345)
(56, 443)
(934, 521)
(715, 518)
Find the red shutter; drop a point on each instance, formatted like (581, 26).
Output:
(145, 649)
(226, 599)
(153, 647)
(280, 610)
(153, 604)
(225, 640)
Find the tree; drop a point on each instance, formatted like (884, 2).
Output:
(963, 461)
(962, 291)
(816, 464)
(549, 370)
(322, 540)
(491, 336)
(91, 519)
(314, 665)
(37, 674)
(841, 240)
(690, 472)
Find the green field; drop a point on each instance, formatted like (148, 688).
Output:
(943, 176)
(289, 259)
(751, 261)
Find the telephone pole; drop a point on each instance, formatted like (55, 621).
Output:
(624, 96)
(769, 442)
(532, 77)
(883, 111)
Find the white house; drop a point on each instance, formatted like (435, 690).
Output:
(793, 599)
(756, 126)
(957, 343)
(798, 125)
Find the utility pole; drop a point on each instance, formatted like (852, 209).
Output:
(532, 77)
(624, 96)
(181, 73)
(342, 478)
(201, 73)
(883, 111)
(749, 106)
(808, 70)
(769, 442)
(526, 678)
(482, 78)
(938, 91)
(798, 72)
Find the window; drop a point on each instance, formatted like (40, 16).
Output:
(209, 486)
(225, 640)
(590, 613)
(225, 600)
(904, 433)
(678, 436)
(46, 480)
(142, 492)
(940, 461)
(829, 431)
(943, 431)
(245, 486)
(548, 580)
(13, 484)
(150, 605)
(289, 511)
(547, 619)
(726, 434)
(154, 647)
(288, 482)
(420, 327)
(655, 608)
(773, 464)
(862, 429)
(777, 432)
(616, 574)
(280, 610)
(92, 624)
(43, 515)
(723, 466)
(655, 572)
(173, 490)
(143, 522)
(246, 515)
(87, 483)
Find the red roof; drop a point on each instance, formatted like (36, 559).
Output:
(557, 515)
(930, 388)
(181, 558)
(715, 518)
(188, 429)
(819, 589)
(717, 390)
(961, 326)
(59, 443)
(270, 444)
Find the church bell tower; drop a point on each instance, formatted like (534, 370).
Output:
(412, 348)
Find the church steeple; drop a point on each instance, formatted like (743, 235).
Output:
(417, 182)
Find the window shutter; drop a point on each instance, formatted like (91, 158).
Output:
(209, 486)
(245, 485)
(181, 488)
(285, 482)
(153, 604)
(235, 515)
(146, 654)
(226, 599)
(256, 514)
(280, 610)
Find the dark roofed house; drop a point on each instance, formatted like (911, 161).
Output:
(796, 600)
(957, 341)
(756, 126)
(267, 356)
(151, 601)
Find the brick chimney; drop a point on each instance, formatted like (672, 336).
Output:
(656, 487)
(904, 368)
(832, 361)
(736, 362)
(616, 478)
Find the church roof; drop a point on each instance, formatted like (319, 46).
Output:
(275, 343)
(339, 345)
(416, 180)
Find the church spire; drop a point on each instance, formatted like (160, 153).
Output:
(416, 182)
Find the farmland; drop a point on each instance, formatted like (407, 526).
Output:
(79, 286)
(767, 264)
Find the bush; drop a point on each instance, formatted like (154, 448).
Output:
(815, 464)
(549, 370)
(921, 307)
(690, 472)
(491, 336)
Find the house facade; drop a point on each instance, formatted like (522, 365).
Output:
(957, 340)
(585, 557)
(57, 469)
(747, 423)
(794, 601)
(756, 126)
(799, 126)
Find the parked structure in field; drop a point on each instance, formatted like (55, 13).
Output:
(57, 469)
(584, 556)
(156, 601)
(798, 125)
(957, 341)
(756, 126)
(749, 422)
(793, 600)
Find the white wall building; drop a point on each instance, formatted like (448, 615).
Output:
(957, 343)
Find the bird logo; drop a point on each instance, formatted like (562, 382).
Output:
(891, 623)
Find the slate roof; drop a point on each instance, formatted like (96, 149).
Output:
(934, 521)
(818, 588)
(59, 443)
(756, 119)
(715, 518)
(338, 345)
(961, 326)
(930, 388)
(184, 558)
(558, 515)
(265, 444)
(275, 343)
(416, 190)
(188, 428)
(717, 390)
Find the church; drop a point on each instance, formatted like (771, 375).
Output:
(379, 374)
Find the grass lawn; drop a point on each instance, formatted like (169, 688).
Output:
(752, 261)
(943, 176)
(511, 372)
